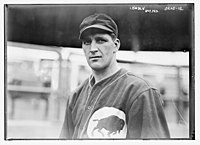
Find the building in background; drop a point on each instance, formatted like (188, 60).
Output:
(40, 79)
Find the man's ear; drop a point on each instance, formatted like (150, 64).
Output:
(117, 44)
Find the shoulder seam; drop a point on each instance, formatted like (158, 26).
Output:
(150, 88)
(129, 73)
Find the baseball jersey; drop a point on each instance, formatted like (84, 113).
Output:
(120, 106)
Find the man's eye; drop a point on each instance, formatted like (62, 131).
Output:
(101, 41)
(86, 42)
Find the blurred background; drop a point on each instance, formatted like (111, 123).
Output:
(45, 62)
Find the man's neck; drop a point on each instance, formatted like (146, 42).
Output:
(102, 74)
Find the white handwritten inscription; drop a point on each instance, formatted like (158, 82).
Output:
(173, 8)
(139, 8)
(154, 10)
(151, 11)
(143, 8)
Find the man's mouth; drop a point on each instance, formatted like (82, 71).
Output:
(95, 57)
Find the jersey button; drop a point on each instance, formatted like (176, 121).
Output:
(89, 107)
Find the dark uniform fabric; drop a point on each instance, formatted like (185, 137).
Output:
(141, 104)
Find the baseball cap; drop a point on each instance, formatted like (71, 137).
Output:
(98, 21)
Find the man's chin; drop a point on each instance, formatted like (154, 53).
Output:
(96, 67)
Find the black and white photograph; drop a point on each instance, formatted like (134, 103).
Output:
(99, 71)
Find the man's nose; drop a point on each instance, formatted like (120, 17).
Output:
(93, 47)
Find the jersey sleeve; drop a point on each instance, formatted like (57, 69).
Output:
(146, 117)
(68, 125)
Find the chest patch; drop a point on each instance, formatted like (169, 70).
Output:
(107, 122)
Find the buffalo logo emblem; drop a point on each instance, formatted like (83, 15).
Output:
(111, 123)
(107, 122)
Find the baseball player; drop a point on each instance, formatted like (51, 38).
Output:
(112, 102)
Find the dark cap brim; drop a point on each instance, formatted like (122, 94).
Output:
(94, 26)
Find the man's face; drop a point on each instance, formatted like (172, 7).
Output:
(99, 50)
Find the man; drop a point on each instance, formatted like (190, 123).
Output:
(112, 102)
